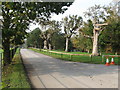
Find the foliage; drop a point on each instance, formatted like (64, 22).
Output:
(82, 44)
(96, 14)
(16, 17)
(58, 41)
(34, 39)
(110, 36)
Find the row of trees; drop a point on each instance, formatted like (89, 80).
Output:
(16, 17)
(99, 33)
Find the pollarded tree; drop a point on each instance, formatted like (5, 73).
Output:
(52, 27)
(71, 24)
(44, 36)
(97, 15)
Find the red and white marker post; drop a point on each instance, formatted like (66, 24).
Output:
(112, 61)
(107, 62)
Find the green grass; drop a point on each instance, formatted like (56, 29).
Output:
(1, 50)
(77, 58)
(13, 75)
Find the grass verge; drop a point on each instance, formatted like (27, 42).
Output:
(13, 75)
(77, 58)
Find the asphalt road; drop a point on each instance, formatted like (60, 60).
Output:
(47, 72)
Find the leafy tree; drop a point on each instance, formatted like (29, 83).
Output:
(18, 15)
(110, 36)
(34, 39)
(82, 44)
(13, 29)
(58, 41)
(52, 27)
(71, 24)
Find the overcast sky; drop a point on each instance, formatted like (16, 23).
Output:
(77, 8)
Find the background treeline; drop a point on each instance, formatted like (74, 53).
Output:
(34, 40)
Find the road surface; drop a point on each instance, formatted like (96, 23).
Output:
(47, 72)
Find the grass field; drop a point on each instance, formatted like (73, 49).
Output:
(13, 75)
(77, 58)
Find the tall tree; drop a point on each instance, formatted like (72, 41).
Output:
(45, 34)
(13, 29)
(71, 24)
(97, 15)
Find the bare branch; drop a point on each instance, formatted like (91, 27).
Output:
(65, 30)
(87, 36)
(101, 24)
(98, 29)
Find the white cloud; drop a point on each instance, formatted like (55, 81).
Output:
(33, 26)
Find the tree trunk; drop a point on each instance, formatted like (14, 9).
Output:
(95, 43)
(88, 51)
(45, 44)
(6, 53)
(54, 47)
(50, 46)
(67, 42)
(49, 43)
